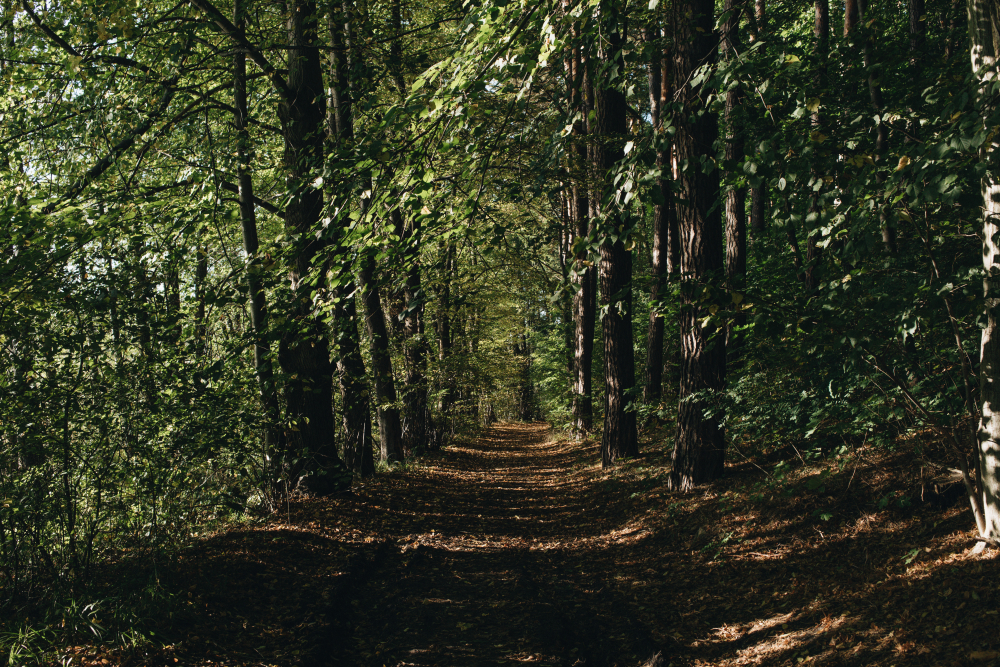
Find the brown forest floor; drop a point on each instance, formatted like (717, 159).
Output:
(518, 548)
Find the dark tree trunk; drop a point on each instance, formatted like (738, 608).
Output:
(584, 301)
(700, 448)
(881, 132)
(303, 351)
(619, 439)
(821, 32)
(200, 288)
(389, 427)
(758, 211)
(445, 338)
(852, 14)
(664, 217)
(955, 19)
(347, 69)
(526, 398)
(736, 223)
(353, 387)
(758, 193)
(414, 345)
(566, 239)
(251, 245)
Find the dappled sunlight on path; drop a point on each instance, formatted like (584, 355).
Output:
(519, 548)
(492, 565)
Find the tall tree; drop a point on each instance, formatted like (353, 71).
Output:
(664, 251)
(619, 438)
(415, 426)
(736, 221)
(583, 275)
(984, 42)
(304, 351)
(251, 245)
(700, 448)
(350, 82)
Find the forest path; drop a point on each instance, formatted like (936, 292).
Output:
(501, 559)
(518, 548)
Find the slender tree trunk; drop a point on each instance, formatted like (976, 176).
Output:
(700, 448)
(620, 438)
(258, 300)
(389, 427)
(951, 40)
(200, 288)
(664, 218)
(758, 211)
(984, 40)
(758, 193)
(566, 258)
(414, 346)
(303, 351)
(584, 301)
(821, 32)
(356, 413)
(526, 407)
(736, 222)
(445, 337)
(852, 14)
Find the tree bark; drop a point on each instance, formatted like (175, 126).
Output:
(881, 134)
(390, 430)
(414, 345)
(445, 338)
(736, 222)
(619, 438)
(584, 302)
(821, 32)
(251, 245)
(700, 448)
(984, 40)
(304, 351)
(356, 414)
(758, 193)
(664, 216)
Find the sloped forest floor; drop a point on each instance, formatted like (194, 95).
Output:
(518, 548)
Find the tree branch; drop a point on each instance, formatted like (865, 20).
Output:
(237, 36)
(68, 48)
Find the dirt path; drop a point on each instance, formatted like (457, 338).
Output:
(498, 563)
(518, 548)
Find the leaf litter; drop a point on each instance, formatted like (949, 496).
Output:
(518, 548)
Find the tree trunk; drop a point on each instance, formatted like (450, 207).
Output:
(526, 402)
(390, 430)
(619, 439)
(584, 302)
(353, 387)
(251, 245)
(414, 345)
(821, 32)
(984, 40)
(304, 352)
(758, 193)
(664, 218)
(881, 136)
(356, 417)
(736, 223)
(445, 338)
(700, 448)
(758, 211)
